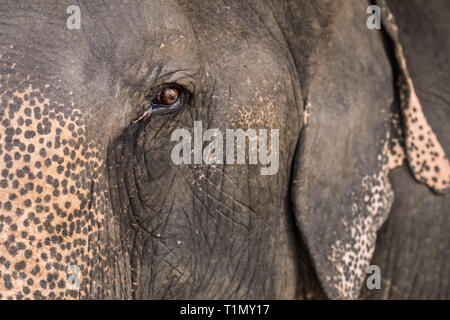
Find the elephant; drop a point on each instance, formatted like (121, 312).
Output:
(92, 205)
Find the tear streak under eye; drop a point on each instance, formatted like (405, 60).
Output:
(158, 109)
(147, 112)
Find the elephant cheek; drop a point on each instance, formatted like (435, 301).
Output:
(49, 215)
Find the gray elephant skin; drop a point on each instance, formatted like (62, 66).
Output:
(88, 188)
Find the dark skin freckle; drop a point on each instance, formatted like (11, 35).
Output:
(20, 265)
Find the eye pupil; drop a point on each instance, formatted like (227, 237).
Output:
(168, 96)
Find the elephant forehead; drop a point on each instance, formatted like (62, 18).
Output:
(260, 88)
(249, 65)
(47, 174)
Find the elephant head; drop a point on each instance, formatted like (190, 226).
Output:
(88, 182)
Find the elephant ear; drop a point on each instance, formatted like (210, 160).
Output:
(426, 156)
(352, 137)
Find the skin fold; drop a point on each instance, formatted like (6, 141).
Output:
(87, 178)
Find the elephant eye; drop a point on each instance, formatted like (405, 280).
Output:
(167, 96)
(165, 100)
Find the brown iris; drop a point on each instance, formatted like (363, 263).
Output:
(168, 96)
